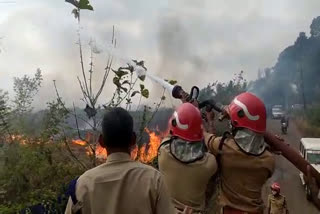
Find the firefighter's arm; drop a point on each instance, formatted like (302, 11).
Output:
(163, 200)
(314, 188)
(210, 126)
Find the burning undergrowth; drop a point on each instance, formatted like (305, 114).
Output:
(144, 153)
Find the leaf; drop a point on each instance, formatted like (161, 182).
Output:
(172, 82)
(120, 73)
(85, 5)
(141, 87)
(116, 81)
(145, 93)
(134, 93)
(142, 77)
(126, 82)
(91, 112)
(124, 89)
(75, 12)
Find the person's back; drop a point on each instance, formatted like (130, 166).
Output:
(185, 165)
(120, 185)
(243, 158)
(242, 175)
(187, 183)
(277, 204)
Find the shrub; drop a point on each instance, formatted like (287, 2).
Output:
(32, 174)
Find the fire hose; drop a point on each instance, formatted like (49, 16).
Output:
(275, 143)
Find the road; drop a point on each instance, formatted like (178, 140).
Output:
(288, 176)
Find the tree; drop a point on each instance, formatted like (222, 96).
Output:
(4, 113)
(297, 64)
(123, 80)
(315, 27)
(25, 89)
(224, 92)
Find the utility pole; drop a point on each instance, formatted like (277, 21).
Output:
(302, 89)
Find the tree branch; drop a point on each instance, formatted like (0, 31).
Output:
(64, 107)
(71, 153)
(81, 62)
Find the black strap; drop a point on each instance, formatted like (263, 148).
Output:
(218, 157)
(166, 142)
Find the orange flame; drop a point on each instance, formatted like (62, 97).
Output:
(79, 142)
(145, 154)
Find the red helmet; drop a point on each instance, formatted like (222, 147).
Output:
(248, 111)
(186, 123)
(276, 187)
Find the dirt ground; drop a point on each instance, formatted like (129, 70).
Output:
(288, 176)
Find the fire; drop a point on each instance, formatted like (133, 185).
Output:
(19, 138)
(79, 142)
(101, 152)
(145, 154)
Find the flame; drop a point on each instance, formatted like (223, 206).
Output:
(145, 154)
(19, 138)
(79, 142)
(101, 152)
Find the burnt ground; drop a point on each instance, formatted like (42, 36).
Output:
(288, 176)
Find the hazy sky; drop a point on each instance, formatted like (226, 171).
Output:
(193, 41)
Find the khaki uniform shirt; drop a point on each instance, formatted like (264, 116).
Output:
(242, 175)
(277, 204)
(187, 183)
(121, 186)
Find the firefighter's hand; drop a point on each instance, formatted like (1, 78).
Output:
(314, 188)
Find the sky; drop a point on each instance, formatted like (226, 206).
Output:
(194, 42)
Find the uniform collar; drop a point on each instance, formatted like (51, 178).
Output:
(118, 157)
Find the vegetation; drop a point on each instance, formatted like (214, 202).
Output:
(36, 156)
(294, 78)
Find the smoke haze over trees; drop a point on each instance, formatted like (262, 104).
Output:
(296, 73)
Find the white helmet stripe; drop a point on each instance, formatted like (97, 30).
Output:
(245, 110)
(180, 125)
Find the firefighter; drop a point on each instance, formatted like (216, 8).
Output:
(183, 161)
(120, 185)
(244, 161)
(277, 203)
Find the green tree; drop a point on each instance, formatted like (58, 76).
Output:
(315, 27)
(25, 89)
(224, 92)
(4, 113)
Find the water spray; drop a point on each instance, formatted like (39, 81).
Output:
(275, 143)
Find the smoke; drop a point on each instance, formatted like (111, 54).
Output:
(177, 50)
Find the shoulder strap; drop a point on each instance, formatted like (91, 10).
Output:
(165, 141)
(72, 190)
(224, 137)
(284, 201)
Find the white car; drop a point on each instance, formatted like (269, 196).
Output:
(310, 151)
(277, 112)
